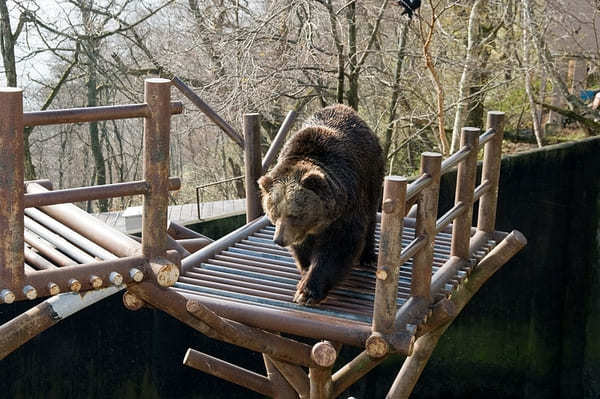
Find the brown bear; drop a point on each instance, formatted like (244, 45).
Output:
(323, 196)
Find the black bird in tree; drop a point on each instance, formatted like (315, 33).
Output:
(410, 6)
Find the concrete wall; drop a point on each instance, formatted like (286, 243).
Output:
(532, 331)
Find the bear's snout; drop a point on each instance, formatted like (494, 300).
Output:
(278, 238)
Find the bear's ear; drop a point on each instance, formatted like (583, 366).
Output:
(265, 183)
(314, 180)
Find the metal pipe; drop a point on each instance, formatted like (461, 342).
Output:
(67, 233)
(46, 249)
(11, 189)
(88, 226)
(210, 250)
(278, 141)
(93, 192)
(59, 242)
(38, 261)
(91, 114)
(205, 108)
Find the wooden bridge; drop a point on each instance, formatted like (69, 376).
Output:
(239, 289)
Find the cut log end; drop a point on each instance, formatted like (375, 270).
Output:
(164, 272)
(376, 346)
(132, 301)
(323, 354)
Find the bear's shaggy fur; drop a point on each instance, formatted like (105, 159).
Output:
(322, 197)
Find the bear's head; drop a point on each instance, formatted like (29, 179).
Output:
(296, 203)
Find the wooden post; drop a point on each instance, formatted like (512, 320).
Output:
(492, 158)
(390, 249)
(323, 354)
(465, 186)
(12, 261)
(253, 165)
(427, 207)
(157, 128)
(157, 131)
(415, 364)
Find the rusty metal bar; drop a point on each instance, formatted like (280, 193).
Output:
(11, 189)
(210, 250)
(252, 165)
(427, 207)
(88, 226)
(278, 141)
(38, 261)
(26, 326)
(492, 158)
(91, 114)
(46, 249)
(92, 192)
(229, 372)
(59, 242)
(72, 236)
(63, 277)
(205, 108)
(465, 185)
(390, 250)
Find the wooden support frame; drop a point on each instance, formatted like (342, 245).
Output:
(252, 162)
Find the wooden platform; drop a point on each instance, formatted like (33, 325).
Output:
(253, 281)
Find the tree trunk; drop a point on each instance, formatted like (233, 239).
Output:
(393, 106)
(8, 41)
(352, 95)
(527, 21)
(466, 77)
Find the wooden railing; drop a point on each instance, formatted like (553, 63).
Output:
(424, 191)
(151, 259)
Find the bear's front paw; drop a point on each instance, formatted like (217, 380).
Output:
(307, 294)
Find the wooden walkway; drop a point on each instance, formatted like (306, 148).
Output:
(130, 220)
